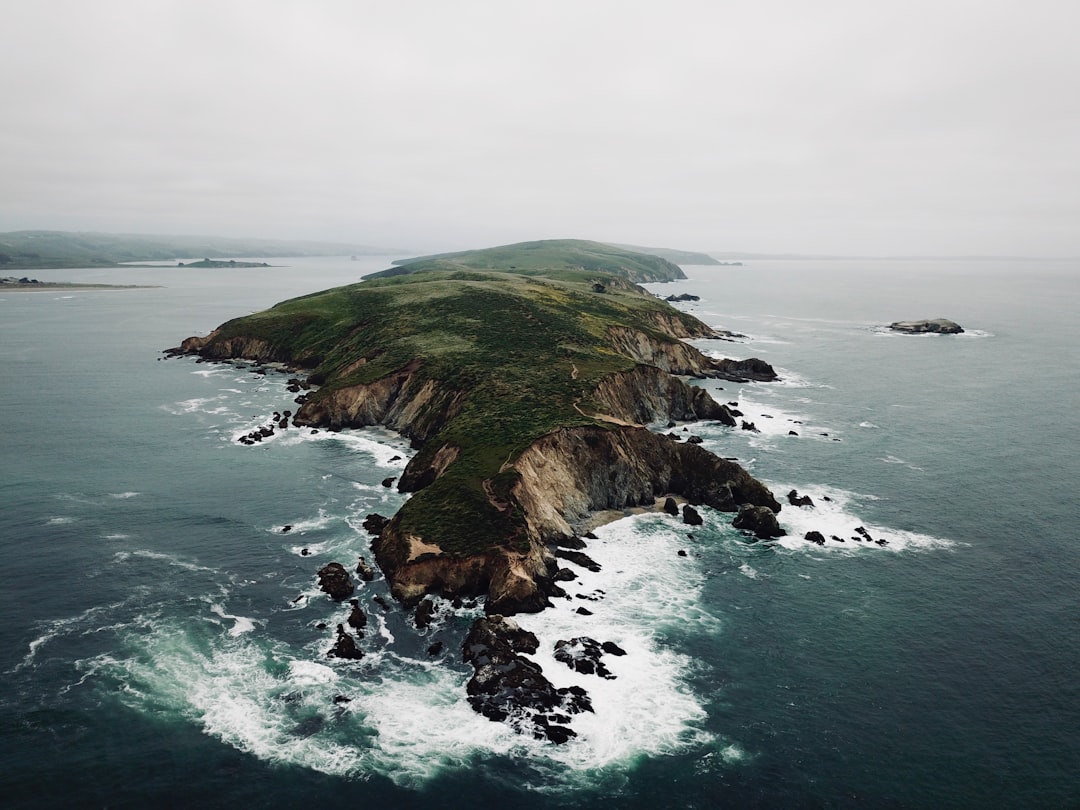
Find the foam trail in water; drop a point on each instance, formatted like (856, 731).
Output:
(838, 518)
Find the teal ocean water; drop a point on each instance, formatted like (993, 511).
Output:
(163, 640)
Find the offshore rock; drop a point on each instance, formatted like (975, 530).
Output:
(345, 646)
(357, 618)
(795, 499)
(335, 580)
(941, 326)
(505, 684)
(745, 370)
(758, 519)
(364, 571)
(691, 516)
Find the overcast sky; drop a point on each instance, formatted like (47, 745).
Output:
(819, 126)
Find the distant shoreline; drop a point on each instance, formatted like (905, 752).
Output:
(59, 286)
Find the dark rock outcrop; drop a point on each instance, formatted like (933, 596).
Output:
(744, 370)
(425, 612)
(364, 571)
(583, 655)
(795, 499)
(345, 646)
(815, 537)
(335, 580)
(507, 685)
(357, 618)
(758, 519)
(691, 516)
(941, 326)
(374, 523)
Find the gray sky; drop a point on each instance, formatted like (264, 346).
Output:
(826, 126)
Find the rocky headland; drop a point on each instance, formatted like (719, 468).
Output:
(527, 392)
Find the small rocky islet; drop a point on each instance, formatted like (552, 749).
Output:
(525, 378)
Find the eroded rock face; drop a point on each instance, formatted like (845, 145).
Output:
(941, 326)
(507, 685)
(563, 478)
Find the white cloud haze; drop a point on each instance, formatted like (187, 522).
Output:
(835, 126)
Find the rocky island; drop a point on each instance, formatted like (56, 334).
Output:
(941, 326)
(526, 378)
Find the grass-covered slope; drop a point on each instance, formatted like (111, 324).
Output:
(511, 356)
(553, 258)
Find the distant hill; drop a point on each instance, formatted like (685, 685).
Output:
(547, 257)
(672, 255)
(57, 249)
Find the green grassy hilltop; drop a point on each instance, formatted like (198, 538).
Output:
(492, 349)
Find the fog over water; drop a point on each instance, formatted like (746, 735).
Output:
(839, 127)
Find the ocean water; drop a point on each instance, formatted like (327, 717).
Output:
(164, 640)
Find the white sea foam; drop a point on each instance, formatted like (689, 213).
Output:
(894, 460)
(60, 520)
(122, 496)
(170, 559)
(644, 588)
(407, 719)
(241, 624)
(838, 518)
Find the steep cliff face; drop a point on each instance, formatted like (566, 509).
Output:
(562, 479)
(649, 394)
(403, 401)
(570, 473)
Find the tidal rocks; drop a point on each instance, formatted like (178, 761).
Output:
(364, 571)
(671, 507)
(815, 537)
(758, 519)
(345, 646)
(941, 326)
(507, 685)
(691, 516)
(335, 580)
(795, 499)
(583, 655)
(357, 618)
(683, 297)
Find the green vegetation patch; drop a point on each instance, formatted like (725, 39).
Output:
(520, 349)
